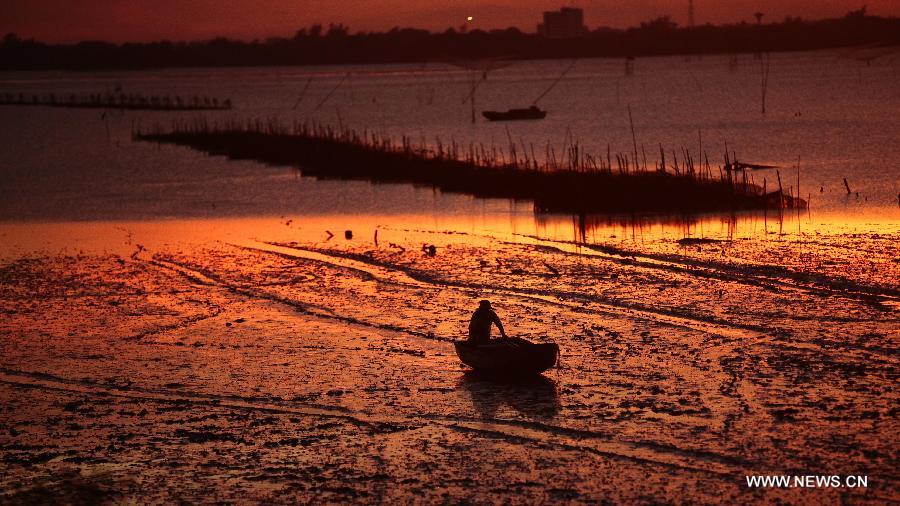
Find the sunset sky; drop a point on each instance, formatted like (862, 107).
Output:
(138, 20)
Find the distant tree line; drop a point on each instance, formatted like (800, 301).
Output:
(318, 45)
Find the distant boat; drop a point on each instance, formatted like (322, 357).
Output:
(508, 357)
(533, 112)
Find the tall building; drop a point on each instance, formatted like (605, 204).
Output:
(564, 23)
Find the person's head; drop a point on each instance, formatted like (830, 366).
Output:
(485, 304)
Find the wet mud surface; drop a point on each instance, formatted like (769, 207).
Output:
(311, 372)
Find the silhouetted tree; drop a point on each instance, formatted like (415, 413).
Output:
(308, 46)
(859, 13)
(659, 24)
(337, 30)
(11, 39)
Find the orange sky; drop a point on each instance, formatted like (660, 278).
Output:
(143, 20)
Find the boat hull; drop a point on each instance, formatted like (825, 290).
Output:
(515, 115)
(515, 357)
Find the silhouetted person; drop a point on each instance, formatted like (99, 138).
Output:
(480, 325)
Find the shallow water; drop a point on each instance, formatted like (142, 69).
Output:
(835, 114)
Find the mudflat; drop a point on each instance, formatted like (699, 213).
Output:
(301, 371)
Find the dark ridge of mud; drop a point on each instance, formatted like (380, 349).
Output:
(577, 187)
(300, 307)
(748, 273)
(563, 298)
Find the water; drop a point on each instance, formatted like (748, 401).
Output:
(836, 115)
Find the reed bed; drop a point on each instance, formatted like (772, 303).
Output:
(570, 181)
(118, 101)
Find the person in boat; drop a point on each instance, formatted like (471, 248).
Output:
(480, 324)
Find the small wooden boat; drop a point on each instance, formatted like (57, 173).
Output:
(532, 112)
(508, 357)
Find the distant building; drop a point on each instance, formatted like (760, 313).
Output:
(564, 23)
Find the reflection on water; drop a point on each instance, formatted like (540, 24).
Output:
(763, 224)
(836, 115)
(91, 189)
(588, 228)
(498, 221)
(536, 397)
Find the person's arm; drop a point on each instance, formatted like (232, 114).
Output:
(499, 325)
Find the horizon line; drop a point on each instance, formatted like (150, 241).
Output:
(461, 30)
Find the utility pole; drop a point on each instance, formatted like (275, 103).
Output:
(691, 13)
